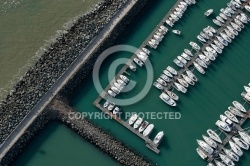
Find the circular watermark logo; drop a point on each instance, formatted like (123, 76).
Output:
(112, 75)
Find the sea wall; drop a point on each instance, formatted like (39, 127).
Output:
(55, 60)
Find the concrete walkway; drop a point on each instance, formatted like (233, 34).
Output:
(62, 81)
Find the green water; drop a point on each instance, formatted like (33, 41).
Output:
(200, 107)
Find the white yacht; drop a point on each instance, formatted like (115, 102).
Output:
(114, 89)
(143, 126)
(244, 18)
(208, 12)
(188, 52)
(228, 33)
(158, 38)
(220, 19)
(247, 89)
(244, 136)
(218, 163)
(121, 82)
(106, 104)
(183, 82)
(138, 123)
(235, 111)
(191, 75)
(152, 45)
(180, 58)
(205, 146)
(158, 137)
(118, 86)
(176, 32)
(214, 136)
(188, 79)
(226, 120)
(146, 51)
(201, 63)
(235, 26)
(204, 58)
(222, 15)
(201, 39)
(194, 46)
(180, 88)
(209, 55)
(246, 96)
(231, 116)
(165, 78)
(111, 93)
(132, 119)
(132, 66)
(167, 99)
(210, 49)
(226, 160)
(185, 56)
(171, 70)
(124, 78)
(157, 85)
(231, 154)
(201, 153)
(204, 35)
(217, 49)
(223, 125)
(210, 141)
(232, 30)
(161, 31)
(239, 106)
(223, 41)
(138, 62)
(172, 95)
(218, 44)
(241, 143)
(178, 62)
(167, 73)
(199, 68)
(161, 81)
(216, 22)
(164, 28)
(116, 111)
(111, 106)
(247, 8)
(224, 36)
(236, 149)
(148, 130)
(211, 29)
(238, 22)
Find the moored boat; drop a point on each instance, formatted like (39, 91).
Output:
(201, 153)
(172, 95)
(171, 70)
(214, 136)
(191, 75)
(244, 136)
(138, 123)
(231, 154)
(148, 130)
(210, 141)
(226, 160)
(236, 149)
(180, 88)
(223, 125)
(239, 106)
(235, 111)
(199, 68)
(143, 126)
(205, 146)
(132, 119)
(164, 97)
(241, 143)
(231, 116)
(158, 137)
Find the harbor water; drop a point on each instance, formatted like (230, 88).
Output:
(199, 108)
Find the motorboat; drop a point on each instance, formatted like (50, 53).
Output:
(162, 32)
(124, 78)
(247, 89)
(211, 29)
(152, 45)
(246, 96)
(228, 14)
(178, 62)
(214, 136)
(143, 126)
(201, 39)
(204, 59)
(157, 85)
(191, 75)
(230, 10)
(235, 26)
(132, 66)
(180, 58)
(111, 106)
(216, 22)
(201, 153)
(176, 32)
(158, 38)
(236, 149)
(208, 12)
(211, 50)
(167, 99)
(218, 44)
(121, 82)
(194, 46)
(224, 36)
(167, 73)
(228, 33)
(138, 62)
(232, 30)
(172, 95)
(188, 52)
(116, 111)
(106, 104)
(185, 56)
(161, 81)
(241, 143)
(222, 15)
(132, 119)
(180, 88)
(244, 136)
(114, 89)
(205, 146)
(174, 17)
(111, 93)
(208, 32)
(220, 19)
(226, 160)
(183, 82)
(204, 35)
(138, 123)
(216, 48)
(171, 70)
(201, 63)
(244, 17)
(209, 55)
(238, 22)
(222, 41)
(218, 163)
(148, 130)
(158, 137)
(178, 14)
(231, 116)
(188, 79)
(235, 111)
(165, 78)
(210, 141)
(146, 51)
(239, 106)
(223, 125)
(238, 1)
(247, 8)
(118, 86)
(226, 120)
(164, 28)
(185, 3)
(199, 68)
(231, 154)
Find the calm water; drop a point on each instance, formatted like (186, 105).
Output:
(200, 107)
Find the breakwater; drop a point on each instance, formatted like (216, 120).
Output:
(55, 60)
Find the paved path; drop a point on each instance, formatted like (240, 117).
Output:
(66, 76)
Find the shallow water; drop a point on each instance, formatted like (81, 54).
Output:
(200, 107)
